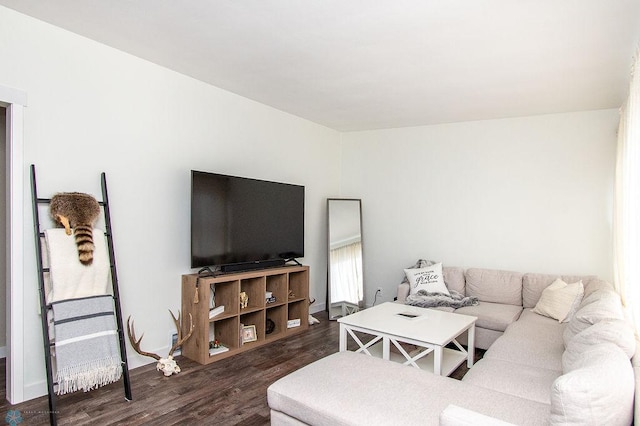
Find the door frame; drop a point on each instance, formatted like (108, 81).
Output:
(15, 101)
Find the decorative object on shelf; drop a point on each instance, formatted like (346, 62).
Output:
(271, 300)
(293, 323)
(269, 326)
(244, 300)
(78, 211)
(291, 294)
(214, 344)
(216, 311)
(249, 334)
(167, 365)
(220, 349)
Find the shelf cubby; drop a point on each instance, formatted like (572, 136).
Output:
(226, 294)
(277, 314)
(257, 319)
(299, 285)
(255, 288)
(225, 289)
(298, 310)
(225, 331)
(277, 285)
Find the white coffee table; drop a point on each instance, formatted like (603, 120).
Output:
(429, 329)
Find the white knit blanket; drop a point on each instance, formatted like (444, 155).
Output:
(70, 279)
(86, 344)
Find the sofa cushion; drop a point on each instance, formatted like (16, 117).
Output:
(454, 278)
(635, 363)
(559, 299)
(490, 285)
(493, 316)
(428, 279)
(599, 295)
(348, 388)
(598, 389)
(600, 305)
(533, 340)
(534, 284)
(509, 377)
(458, 416)
(595, 285)
(484, 338)
(618, 332)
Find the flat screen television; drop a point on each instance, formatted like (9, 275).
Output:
(244, 222)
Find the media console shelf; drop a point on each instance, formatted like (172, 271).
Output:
(289, 285)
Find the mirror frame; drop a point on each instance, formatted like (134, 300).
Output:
(328, 301)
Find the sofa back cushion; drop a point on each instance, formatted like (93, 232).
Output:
(491, 285)
(598, 389)
(599, 306)
(595, 285)
(454, 278)
(534, 284)
(618, 332)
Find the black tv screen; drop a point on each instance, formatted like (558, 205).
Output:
(237, 220)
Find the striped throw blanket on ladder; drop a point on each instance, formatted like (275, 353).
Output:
(86, 344)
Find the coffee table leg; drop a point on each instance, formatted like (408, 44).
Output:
(385, 348)
(343, 338)
(437, 360)
(471, 345)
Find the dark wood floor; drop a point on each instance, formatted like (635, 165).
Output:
(228, 392)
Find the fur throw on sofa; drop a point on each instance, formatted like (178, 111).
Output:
(433, 300)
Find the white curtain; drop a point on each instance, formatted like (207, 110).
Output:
(627, 200)
(346, 273)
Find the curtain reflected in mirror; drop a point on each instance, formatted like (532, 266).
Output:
(345, 292)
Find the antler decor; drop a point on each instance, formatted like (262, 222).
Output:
(167, 365)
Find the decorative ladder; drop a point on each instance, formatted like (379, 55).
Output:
(45, 308)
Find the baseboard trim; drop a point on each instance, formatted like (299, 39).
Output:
(317, 308)
(35, 390)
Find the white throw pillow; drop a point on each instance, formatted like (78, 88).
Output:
(558, 299)
(428, 279)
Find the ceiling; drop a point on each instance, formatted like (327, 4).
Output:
(371, 64)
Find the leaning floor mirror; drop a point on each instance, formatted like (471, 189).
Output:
(345, 289)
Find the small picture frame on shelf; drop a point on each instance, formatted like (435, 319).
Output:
(249, 333)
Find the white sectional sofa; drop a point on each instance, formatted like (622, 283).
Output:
(535, 371)
(503, 295)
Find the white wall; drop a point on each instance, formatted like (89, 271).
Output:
(527, 194)
(93, 109)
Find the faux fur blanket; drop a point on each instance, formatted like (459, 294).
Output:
(433, 300)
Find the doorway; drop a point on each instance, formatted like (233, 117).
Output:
(13, 102)
(3, 246)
